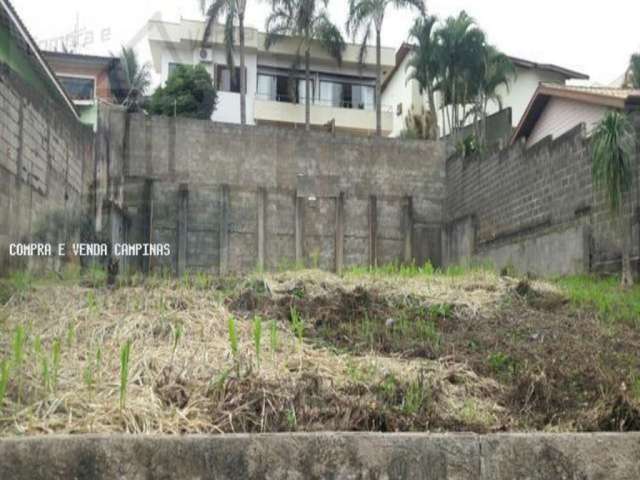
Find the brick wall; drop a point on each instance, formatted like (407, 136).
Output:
(509, 197)
(45, 163)
(264, 196)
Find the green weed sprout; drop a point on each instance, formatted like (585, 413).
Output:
(257, 338)
(125, 353)
(273, 337)
(4, 380)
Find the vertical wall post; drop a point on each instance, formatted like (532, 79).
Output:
(262, 233)
(148, 145)
(148, 217)
(407, 222)
(183, 207)
(340, 233)
(373, 231)
(224, 230)
(299, 219)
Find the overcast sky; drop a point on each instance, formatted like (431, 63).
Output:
(593, 37)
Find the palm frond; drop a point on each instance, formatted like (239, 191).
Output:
(612, 153)
(212, 13)
(329, 37)
(229, 40)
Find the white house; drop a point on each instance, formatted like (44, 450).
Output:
(556, 109)
(404, 95)
(342, 95)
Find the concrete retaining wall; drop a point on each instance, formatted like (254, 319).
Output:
(232, 199)
(46, 165)
(325, 456)
(532, 205)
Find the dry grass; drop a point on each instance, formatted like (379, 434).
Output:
(185, 378)
(197, 385)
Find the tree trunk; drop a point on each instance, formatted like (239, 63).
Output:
(378, 84)
(243, 73)
(626, 233)
(307, 89)
(435, 131)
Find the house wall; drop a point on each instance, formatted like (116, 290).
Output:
(561, 115)
(46, 166)
(98, 73)
(402, 96)
(229, 199)
(517, 96)
(535, 209)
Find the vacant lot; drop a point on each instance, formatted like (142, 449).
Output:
(388, 350)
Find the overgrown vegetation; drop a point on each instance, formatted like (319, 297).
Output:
(395, 348)
(189, 92)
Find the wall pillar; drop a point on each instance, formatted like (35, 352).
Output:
(147, 262)
(407, 226)
(340, 233)
(373, 231)
(262, 232)
(224, 230)
(148, 145)
(183, 208)
(299, 231)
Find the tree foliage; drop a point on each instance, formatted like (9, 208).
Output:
(632, 79)
(455, 59)
(612, 153)
(365, 18)
(230, 10)
(189, 92)
(137, 77)
(307, 20)
(613, 149)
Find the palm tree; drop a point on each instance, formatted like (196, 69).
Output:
(461, 46)
(365, 15)
(137, 77)
(612, 156)
(632, 79)
(497, 71)
(234, 9)
(424, 63)
(309, 21)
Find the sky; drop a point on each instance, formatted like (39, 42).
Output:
(590, 36)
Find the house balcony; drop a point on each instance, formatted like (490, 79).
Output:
(345, 119)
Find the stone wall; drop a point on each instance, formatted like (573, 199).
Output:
(46, 164)
(232, 199)
(534, 209)
(325, 456)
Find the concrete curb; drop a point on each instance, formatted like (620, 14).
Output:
(325, 456)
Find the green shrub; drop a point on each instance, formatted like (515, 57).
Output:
(189, 92)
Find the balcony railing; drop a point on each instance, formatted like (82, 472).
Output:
(323, 103)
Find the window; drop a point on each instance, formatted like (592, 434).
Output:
(346, 95)
(173, 67)
(331, 94)
(302, 90)
(79, 88)
(225, 82)
(274, 87)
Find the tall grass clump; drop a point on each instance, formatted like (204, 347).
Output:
(125, 353)
(256, 333)
(4, 380)
(56, 354)
(233, 337)
(19, 339)
(603, 295)
(298, 326)
(273, 337)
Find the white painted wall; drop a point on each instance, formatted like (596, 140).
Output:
(228, 107)
(400, 96)
(517, 96)
(561, 115)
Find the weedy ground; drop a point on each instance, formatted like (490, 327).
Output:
(390, 349)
